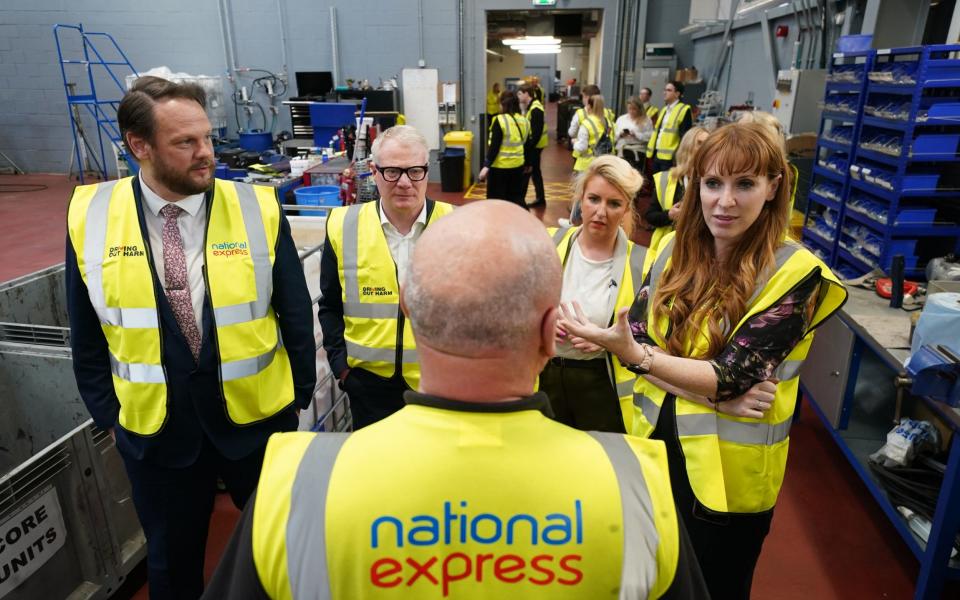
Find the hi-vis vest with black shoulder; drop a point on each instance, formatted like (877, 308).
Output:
(666, 187)
(516, 130)
(668, 133)
(478, 505)
(114, 261)
(377, 336)
(628, 269)
(595, 129)
(737, 464)
(537, 105)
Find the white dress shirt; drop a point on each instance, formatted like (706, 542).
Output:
(401, 246)
(193, 224)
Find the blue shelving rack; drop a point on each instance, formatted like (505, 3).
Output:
(85, 55)
(840, 121)
(903, 195)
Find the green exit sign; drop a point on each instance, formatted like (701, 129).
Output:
(544, 2)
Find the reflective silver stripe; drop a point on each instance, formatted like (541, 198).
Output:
(245, 367)
(788, 369)
(306, 535)
(507, 145)
(755, 433)
(559, 234)
(664, 181)
(638, 574)
(409, 356)
(129, 318)
(782, 255)
(351, 234)
(637, 256)
(259, 254)
(368, 354)
(659, 265)
(371, 310)
(625, 388)
(137, 372)
(651, 412)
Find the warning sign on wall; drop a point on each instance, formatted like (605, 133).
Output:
(29, 539)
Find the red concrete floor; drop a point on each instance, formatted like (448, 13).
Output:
(829, 540)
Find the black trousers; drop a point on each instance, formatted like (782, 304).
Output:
(533, 158)
(372, 397)
(661, 165)
(174, 508)
(727, 545)
(506, 184)
(581, 394)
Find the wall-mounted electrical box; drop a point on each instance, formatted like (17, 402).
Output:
(795, 99)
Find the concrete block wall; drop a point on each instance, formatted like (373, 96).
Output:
(376, 40)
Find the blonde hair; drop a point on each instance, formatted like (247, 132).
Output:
(686, 152)
(618, 173)
(697, 289)
(765, 119)
(402, 134)
(596, 106)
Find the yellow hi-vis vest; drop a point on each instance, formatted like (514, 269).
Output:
(377, 336)
(115, 264)
(666, 187)
(611, 118)
(667, 133)
(628, 272)
(493, 103)
(652, 112)
(580, 114)
(436, 503)
(537, 105)
(516, 130)
(595, 128)
(736, 464)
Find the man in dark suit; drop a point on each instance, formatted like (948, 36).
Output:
(191, 325)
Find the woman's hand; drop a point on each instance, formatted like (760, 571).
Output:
(482, 176)
(752, 404)
(616, 339)
(674, 212)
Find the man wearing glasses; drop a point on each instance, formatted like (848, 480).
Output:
(673, 120)
(369, 345)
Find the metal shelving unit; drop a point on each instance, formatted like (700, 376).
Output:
(903, 182)
(840, 122)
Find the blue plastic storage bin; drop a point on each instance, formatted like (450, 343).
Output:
(935, 147)
(920, 182)
(318, 195)
(327, 117)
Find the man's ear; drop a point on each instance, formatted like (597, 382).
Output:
(137, 145)
(548, 333)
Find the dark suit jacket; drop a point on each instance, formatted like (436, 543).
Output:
(195, 407)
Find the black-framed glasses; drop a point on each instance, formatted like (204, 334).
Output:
(393, 174)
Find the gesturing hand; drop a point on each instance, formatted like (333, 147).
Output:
(754, 403)
(616, 339)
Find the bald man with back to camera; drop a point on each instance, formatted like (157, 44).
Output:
(470, 490)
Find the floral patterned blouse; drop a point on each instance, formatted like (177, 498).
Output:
(759, 346)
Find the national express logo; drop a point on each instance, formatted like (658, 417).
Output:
(229, 249)
(549, 562)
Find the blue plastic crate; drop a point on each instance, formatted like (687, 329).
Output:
(935, 147)
(318, 195)
(916, 216)
(919, 182)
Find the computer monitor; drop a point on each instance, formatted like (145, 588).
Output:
(314, 83)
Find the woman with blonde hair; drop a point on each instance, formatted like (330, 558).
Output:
(669, 185)
(594, 127)
(587, 388)
(718, 332)
(632, 131)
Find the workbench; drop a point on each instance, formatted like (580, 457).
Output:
(849, 378)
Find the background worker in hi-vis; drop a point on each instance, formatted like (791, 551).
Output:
(470, 491)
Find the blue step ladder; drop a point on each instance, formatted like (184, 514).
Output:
(103, 112)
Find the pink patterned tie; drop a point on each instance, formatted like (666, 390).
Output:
(175, 274)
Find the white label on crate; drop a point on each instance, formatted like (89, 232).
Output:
(884, 51)
(29, 539)
(838, 54)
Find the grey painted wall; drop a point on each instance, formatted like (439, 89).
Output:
(664, 18)
(377, 39)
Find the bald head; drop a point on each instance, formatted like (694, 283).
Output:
(481, 281)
